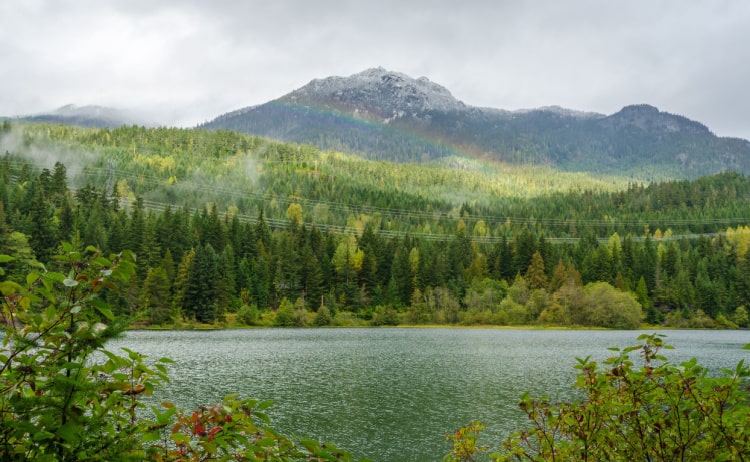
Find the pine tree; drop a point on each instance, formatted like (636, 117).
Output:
(559, 276)
(525, 245)
(41, 229)
(288, 263)
(136, 227)
(311, 275)
(401, 284)
(149, 253)
(181, 282)
(261, 282)
(167, 262)
(156, 297)
(201, 294)
(743, 280)
(506, 265)
(536, 278)
(262, 231)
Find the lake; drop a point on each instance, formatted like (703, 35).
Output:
(392, 394)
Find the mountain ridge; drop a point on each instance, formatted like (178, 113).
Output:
(92, 116)
(639, 140)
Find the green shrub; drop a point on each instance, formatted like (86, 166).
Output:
(384, 316)
(248, 315)
(653, 411)
(323, 316)
(65, 397)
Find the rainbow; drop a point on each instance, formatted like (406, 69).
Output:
(431, 143)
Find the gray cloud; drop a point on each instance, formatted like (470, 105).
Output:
(187, 61)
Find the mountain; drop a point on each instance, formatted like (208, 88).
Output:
(387, 115)
(88, 116)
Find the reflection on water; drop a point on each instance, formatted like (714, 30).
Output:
(392, 394)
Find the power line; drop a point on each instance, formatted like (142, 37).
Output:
(108, 172)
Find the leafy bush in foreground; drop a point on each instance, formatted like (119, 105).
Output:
(64, 397)
(650, 411)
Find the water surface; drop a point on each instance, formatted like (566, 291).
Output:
(392, 394)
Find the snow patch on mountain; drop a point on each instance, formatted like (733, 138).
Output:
(385, 94)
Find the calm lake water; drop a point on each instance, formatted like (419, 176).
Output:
(392, 394)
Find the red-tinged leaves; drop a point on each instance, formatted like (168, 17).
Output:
(213, 432)
(136, 390)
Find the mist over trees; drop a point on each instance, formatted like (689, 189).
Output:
(229, 228)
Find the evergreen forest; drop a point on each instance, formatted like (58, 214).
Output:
(238, 230)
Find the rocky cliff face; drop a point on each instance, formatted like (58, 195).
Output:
(377, 94)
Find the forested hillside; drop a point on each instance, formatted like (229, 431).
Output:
(240, 228)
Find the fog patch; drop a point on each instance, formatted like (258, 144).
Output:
(78, 162)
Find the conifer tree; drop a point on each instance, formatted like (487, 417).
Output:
(535, 275)
(41, 228)
(182, 279)
(201, 294)
(156, 300)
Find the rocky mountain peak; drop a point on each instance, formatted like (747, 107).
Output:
(377, 92)
(647, 117)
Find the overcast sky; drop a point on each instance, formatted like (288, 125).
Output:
(187, 61)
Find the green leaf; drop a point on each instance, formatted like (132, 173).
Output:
(209, 447)
(148, 437)
(103, 308)
(262, 416)
(71, 366)
(31, 278)
(69, 432)
(46, 293)
(54, 276)
(265, 442)
(10, 287)
(6, 258)
(133, 355)
(70, 282)
(264, 405)
(164, 417)
(41, 436)
(50, 312)
(180, 438)
(101, 261)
